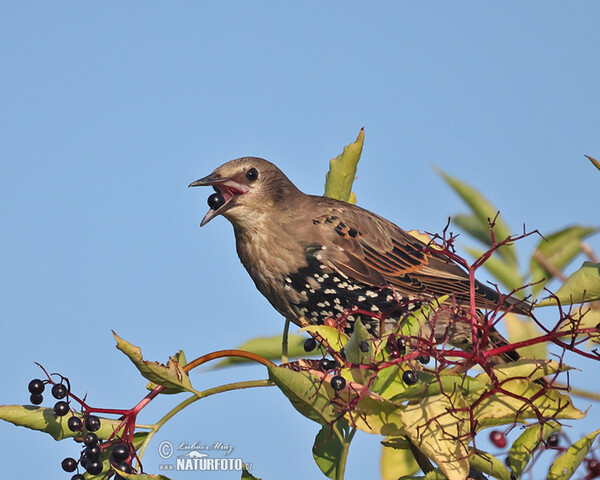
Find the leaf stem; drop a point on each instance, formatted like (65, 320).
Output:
(197, 396)
(344, 455)
(284, 341)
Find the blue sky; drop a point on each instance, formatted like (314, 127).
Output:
(110, 109)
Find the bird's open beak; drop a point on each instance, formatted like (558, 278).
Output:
(227, 187)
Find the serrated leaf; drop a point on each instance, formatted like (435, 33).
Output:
(44, 420)
(267, 347)
(356, 356)
(171, 376)
(526, 445)
(246, 475)
(525, 368)
(483, 211)
(342, 171)
(582, 286)
(557, 250)
(305, 392)
(507, 274)
(336, 339)
(434, 425)
(525, 329)
(486, 463)
(397, 463)
(515, 407)
(595, 162)
(565, 466)
(327, 450)
(433, 475)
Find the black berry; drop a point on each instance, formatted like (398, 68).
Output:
(59, 391)
(119, 452)
(424, 359)
(364, 346)
(553, 440)
(498, 438)
(94, 467)
(410, 377)
(61, 408)
(123, 467)
(75, 424)
(338, 383)
(83, 459)
(310, 344)
(36, 398)
(327, 364)
(90, 439)
(69, 464)
(78, 476)
(92, 423)
(93, 452)
(36, 386)
(216, 201)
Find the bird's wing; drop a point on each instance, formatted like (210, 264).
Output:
(374, 251)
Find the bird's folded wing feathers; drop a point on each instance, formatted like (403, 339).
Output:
(371, 250)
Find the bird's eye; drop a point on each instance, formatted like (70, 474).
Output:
(252, 174)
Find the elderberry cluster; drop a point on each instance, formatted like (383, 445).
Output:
(85, 427)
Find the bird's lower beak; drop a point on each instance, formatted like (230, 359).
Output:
(226, 187)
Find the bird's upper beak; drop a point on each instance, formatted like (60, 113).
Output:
(227, 187)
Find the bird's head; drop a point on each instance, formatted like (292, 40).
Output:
(245, 188)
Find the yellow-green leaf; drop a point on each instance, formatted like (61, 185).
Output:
(397, 462)
(582, 286)
(246, 475)
(434, 425)
(342, 171)
(484, 211)
(171, 376)
(565, 466)
(528, 442)
(328, 449)
(595, 162)
(525, 329)
(486, 463)
(555, 252)
(332, 336)
(44, 420)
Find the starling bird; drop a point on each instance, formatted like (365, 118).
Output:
(322, 259)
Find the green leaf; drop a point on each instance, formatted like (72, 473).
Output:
(507, 274)
(515, 407)
(246, 475)
(582, 286)
(430, 385)
(595, 162)
(528, 442)
(433, 475)
(267, 347)
(355, 355)
(342, 171)
(171, 376)
(397, 462)
(524, 368)
(483, 211)
(306, 392)
(328, 449)
(555, 252)
(44, 420)
(336, 339)
(565, 466)
(438, 438)
(526, 329)
(486, 463)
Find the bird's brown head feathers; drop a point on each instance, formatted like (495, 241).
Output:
(246, 189)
